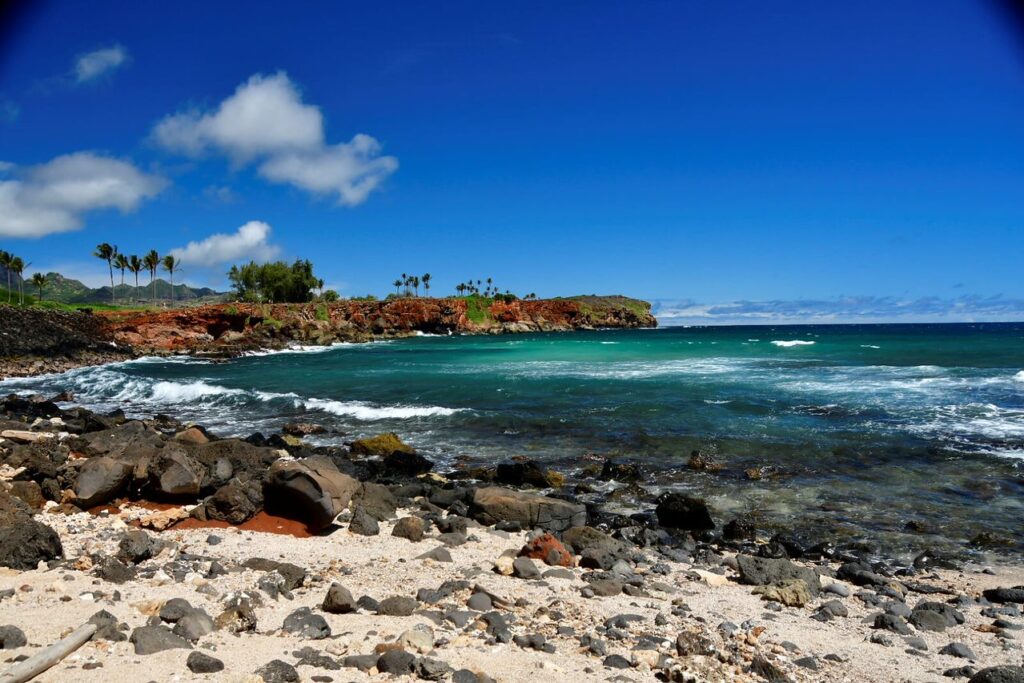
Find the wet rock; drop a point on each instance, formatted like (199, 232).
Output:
(202, 663)
(11, 637)
(397, 606)
(194, 435)
(302, 622)
(409, 464)
(277, 671)
(150, 639)
(311, 490)
(958, 650)
(100, 480)
(302, 429)
(679, 511)
(547, 549)
(740, 529)
(524, 473)
(338, 600)
(396, 662)
(410, 528)
(762, 571)
(621, 471)
(363, 523)
(495, 504)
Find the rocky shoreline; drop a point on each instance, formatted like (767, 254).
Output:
(38, 341)
(202, 558)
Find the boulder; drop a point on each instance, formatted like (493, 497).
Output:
(382, 445)
(12, 637)
(1002, 594)
(302, 429)
(235, 502)
(764, 571)
(410, 528)
(376, 500)
(195, 624)
(201, 663)
(311, 490)
(100, 480)
(411, 464)
(679, 511)
(363, 523)
(302, 622)
(338, 600)
(524, 473)
(493, 504)
(150, 639)
(999, 674)
(597, 550)
(136, 546)
(791, 593)
(194, 435)
(174, 474)
(24, 542)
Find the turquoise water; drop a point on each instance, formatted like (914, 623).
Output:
(862, 428)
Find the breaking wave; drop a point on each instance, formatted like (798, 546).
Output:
(792, 342)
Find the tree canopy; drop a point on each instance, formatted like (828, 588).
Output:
(275, 282)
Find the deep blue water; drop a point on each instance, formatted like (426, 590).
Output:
(865, 426)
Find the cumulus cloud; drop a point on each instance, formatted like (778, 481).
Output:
(53, 197)
(861, 309)
(265, 121)
(249, 242)
(92, 65)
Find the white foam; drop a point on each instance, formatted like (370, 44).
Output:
(792, 342)
(307, 348)
(869, 346)
(607, 342)
(1019, 377)
(366, 411)
(716, 403)
(174, 392)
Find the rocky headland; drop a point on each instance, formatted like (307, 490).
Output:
(34, 341)
(184, 556)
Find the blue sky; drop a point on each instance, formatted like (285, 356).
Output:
(732, 163)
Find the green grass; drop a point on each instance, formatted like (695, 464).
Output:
(321, 313)
(478, 309)
(31, 300)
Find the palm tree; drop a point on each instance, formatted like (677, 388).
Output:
(398, 286)
(39, 280)
(426, 283)
(135, 266)
(121, 263)
(18, 267)
(416, 284)
(106, 252)
(152, 261)
(171, 264)
(5, 262)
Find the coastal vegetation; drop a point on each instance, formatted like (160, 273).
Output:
(276, 282)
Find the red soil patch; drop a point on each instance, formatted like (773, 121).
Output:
(261, 521)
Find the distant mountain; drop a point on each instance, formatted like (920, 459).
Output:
(68, 291)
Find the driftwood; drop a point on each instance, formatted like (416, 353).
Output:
(47, 657)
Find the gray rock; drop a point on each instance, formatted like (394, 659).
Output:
(11, 637)
(338, 600)
(136, 546)
(679, 511)
(107, 627)
(438, 554)
(397, 606)
(302, 622)
(174, 609)
(202, 663)
(605, 587)
(150, 639)
(891, 622)
(958, 650)
(480, 602)
(194, 625)
(361, 662)
(763, 571)
(100, 480)
(363, 523)
(917, 643)
(24, 542)
(926, 620)
(430, 669)
(277, 671)
(838, 589)
(377, 500)
(616, 662)
(1001, 595)
(999, 674)
(524, 568)
(292, 574)
(493, 504)
(397, 662)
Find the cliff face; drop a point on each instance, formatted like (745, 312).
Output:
(231, 328)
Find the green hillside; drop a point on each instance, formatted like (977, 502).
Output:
(65, 290)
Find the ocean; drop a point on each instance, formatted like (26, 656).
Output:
(858, 428)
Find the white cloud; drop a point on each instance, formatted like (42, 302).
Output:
(92, 65)
(265, 120)
(52, 197)
(248, 242)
